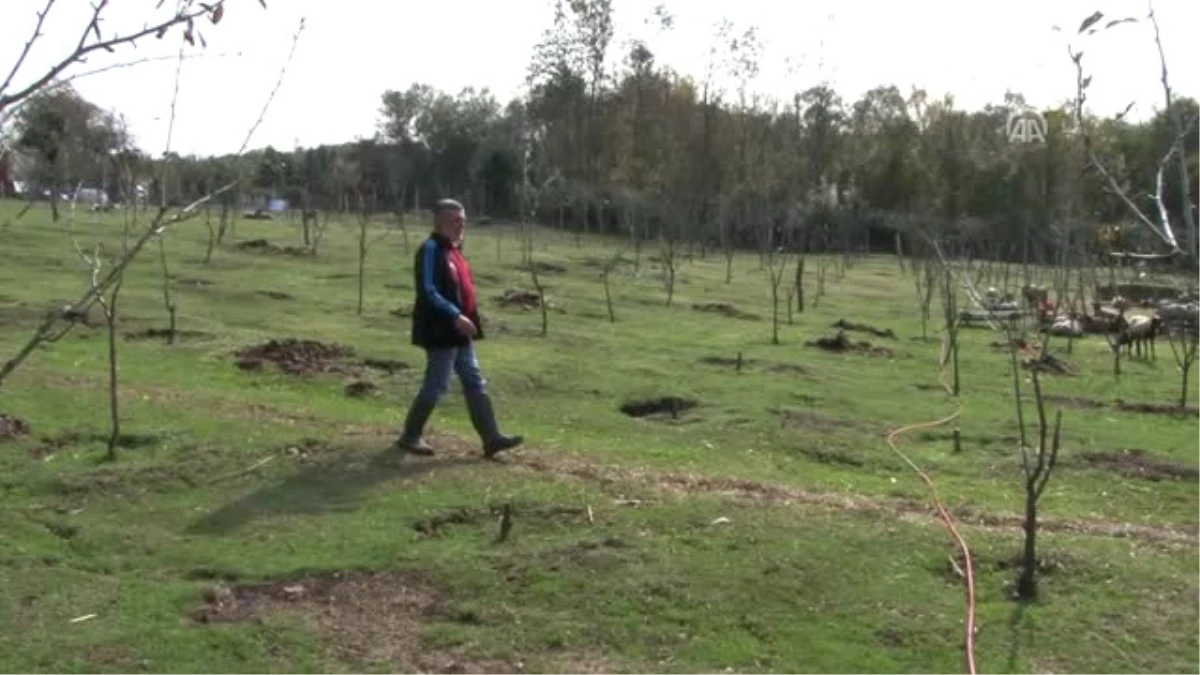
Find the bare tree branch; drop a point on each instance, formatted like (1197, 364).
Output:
(274, 90)
(1189, 218)
(37, 33)
(183, 16)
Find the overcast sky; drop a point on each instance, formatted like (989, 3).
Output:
(353, 50)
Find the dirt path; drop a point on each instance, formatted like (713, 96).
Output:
(776, 493)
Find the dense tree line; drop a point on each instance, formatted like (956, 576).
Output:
(661, 156)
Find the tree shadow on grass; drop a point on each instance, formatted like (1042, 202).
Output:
(1020, 632)
(322, 488)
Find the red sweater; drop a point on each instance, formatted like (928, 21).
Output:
(466, 284)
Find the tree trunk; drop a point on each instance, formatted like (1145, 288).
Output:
(1027, 583)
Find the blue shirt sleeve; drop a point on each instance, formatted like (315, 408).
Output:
(429, 261)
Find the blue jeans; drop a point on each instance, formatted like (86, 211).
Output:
(440, 363)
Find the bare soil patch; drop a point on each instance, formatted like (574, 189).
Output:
(1076, 402)
(779, 367)
(807, 419)
(67, 439)
(911, 509)
(370, 619)
(296, 357)
(732, 362)
(266, 247)
(864, 328)
(120, 482)
(1157, 408)
(841, 343)
(521, 297)
(724, 309)
(787, 368)
(12, 427)
(436, 524)
(166, 334)
(1138, 463)
(389, 366)
(666, 406)
(952, 568)
(197, 282)
(361, 389)
(366, 619)
(113, 657)
(827, 456)
(275, 295)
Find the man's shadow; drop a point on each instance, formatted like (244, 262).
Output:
(327, 487)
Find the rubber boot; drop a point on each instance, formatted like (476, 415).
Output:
(414, 424)
(483, 418)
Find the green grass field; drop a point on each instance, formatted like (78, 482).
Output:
(255, 521)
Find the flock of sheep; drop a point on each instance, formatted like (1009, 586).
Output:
(1135, 331)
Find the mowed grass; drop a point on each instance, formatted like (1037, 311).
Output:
(636, 544)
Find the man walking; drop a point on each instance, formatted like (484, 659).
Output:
(445, 323)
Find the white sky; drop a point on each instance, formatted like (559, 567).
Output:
(353, 50)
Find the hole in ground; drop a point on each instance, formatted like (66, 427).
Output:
(666, 405)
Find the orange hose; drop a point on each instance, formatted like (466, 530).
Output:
(945, 516)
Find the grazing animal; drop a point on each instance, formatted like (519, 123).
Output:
(1066, 326)
(1138, 335)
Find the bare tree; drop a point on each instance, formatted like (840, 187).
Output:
(949, 299)
(777, 264)
(924, 276)
(1162, 229)
(1036, 469)
(606, 271)
(1184, 338)
(59, 322)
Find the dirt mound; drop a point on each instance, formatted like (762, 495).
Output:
(864, 328)
(264, 246)
(276, 295)
(12, 427)
(296, 357)
(165, 334)
(518, 296)
(725, 309)
(361, 389)
(666, 406)
(1139, 464)
(840, 343)
(389, 366)
(1077, 402)
(258, 246)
